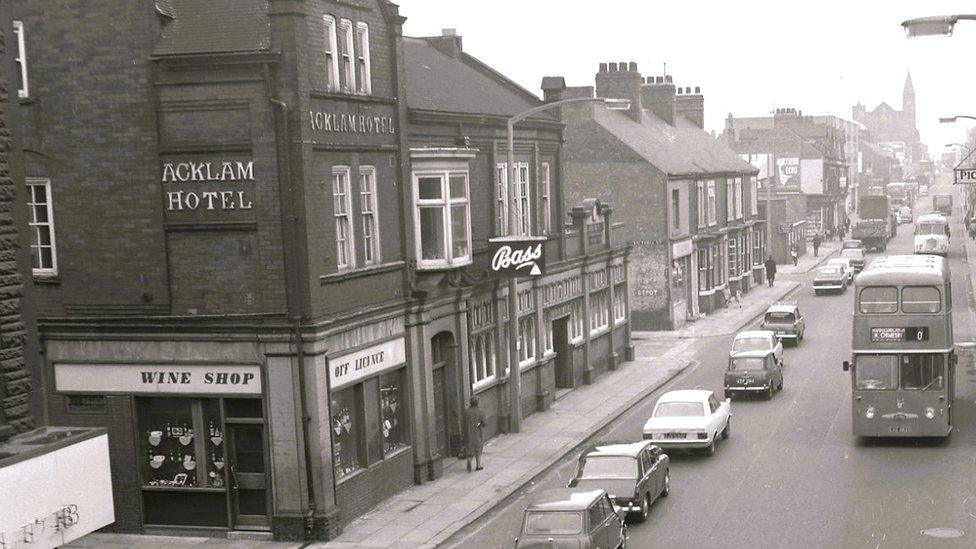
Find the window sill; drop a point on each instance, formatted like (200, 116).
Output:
(361, 272)
(599, 331)
(486, 384)
(443, 266)
(47, 279)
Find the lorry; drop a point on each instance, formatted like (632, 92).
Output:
(873, 228)
(942, 203)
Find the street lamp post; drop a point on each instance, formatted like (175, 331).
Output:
(515, 376)
(939, 25)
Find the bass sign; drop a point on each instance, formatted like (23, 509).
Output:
(514, 257)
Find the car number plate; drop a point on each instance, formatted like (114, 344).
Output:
(900, 429)
(744, 380)
(674, 435)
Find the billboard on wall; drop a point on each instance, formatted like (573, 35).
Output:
(811, 176)
(895, 149)
(788, 170)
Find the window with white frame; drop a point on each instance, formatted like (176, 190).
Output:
(619, 303)
(710, 203)
(443, 224)
(599, 310)
(369, 211)
(576, 322)
(346, 68)
(546, 205)
(701, 204)
(733, 257)
(547, 346)
(362, 61)
(21, 60)
(738, 198)
(526, 339)
(729, 200)
(44, 258)
(501, 199)
(331, 54)
(754, 195)
(522, 202)
(342, 212)
(482, 357)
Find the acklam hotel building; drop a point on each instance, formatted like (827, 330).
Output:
(219, 269)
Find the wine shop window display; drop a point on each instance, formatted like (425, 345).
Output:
(177, 433)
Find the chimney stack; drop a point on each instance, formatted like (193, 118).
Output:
(448, 43)
(692, 106)
(621, 81)
(658, 94)
(553, 88)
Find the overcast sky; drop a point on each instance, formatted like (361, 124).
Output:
(749, 56)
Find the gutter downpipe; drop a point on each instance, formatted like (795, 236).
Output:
(293, 307)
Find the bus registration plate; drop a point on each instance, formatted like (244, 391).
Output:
(900, 334)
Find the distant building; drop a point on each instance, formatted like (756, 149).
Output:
(687, 202)
(894, 129)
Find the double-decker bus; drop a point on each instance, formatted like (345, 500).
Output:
(932, 234)
(903, 364)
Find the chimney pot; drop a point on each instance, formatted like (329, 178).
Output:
(612, 67)
(667, 78)
(623, 66)
(448, 32)
(658, 80)
(603, 67)
(697, 89)
(633, 66)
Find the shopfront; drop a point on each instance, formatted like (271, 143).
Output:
(199, 438)
(681, 269)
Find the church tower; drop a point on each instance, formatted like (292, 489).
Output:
(908, 101)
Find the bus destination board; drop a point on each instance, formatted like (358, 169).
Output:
(900, 334)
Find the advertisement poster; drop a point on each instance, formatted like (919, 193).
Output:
(788, 170)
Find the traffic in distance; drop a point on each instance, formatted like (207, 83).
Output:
(901, 368)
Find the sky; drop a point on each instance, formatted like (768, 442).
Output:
(748, 56)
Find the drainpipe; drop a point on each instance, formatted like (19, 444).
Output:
(294, 308)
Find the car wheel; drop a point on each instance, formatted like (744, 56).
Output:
(728, 429)
(816, 292)
(769, 392)
(710, 450)
(667, 484)
(729, 394)
(780, 388)
(623, 541)
(644, 509)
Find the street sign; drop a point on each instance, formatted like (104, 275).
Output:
(517, 256)
(965, 176)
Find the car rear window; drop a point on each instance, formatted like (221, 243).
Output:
(751, 344)
(830, 270)
(553, 522)
(747, 363)
(779, 317)
(878, 299)
(609, 467)
(679, 409)
(852, 253)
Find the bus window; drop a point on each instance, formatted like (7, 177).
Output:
(878, 299)
(920, 299)
(921, 372)
(876, 372)
(930, 228)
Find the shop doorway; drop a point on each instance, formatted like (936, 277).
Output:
(564, 355)
(442, 352)
(248, 476)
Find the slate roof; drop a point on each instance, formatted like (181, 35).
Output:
(682, 149)
(762, 140)
(215, 27)
(439, 82)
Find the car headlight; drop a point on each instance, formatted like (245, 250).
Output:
(702, 436)
(869, 413)
(930, 412)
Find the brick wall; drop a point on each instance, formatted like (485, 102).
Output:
(382, 480)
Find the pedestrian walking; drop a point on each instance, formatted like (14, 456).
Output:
(816, 245)
(972, 229)
(794, 254)
(474, 420)
(840, 234)
(847, 225)
(770, 270)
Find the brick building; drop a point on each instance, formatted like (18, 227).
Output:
(572, 321)
(220, 271)
(687, 202)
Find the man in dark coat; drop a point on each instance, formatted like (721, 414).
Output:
(816, 245)
(770, 270)
(474, 422)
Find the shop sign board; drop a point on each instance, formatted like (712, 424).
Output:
(349, 368)
(965, 176)
(158, 378)
(512, 257)
(785, 227)
(681, 248)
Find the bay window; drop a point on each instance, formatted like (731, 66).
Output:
(442, 224)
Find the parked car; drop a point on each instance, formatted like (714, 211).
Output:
(689, 419)
(757, 340)
(786, 320)
(572, 518)
(851, 243)
(856, 255)
(847, 264)
(753, 372)
(830, 278)
(635, 474)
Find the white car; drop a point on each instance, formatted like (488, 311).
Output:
(758, 340)
(687, 420)
(848, 266)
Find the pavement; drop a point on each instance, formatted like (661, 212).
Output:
(429, 514)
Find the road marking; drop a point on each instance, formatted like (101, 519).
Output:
(943, 532)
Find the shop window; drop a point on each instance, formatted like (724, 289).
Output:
(21, 60)
(362, 61)
(576, 323)
(482, 357)
(599, 310)
(40, 203)
(546, 205)
(367, 200)
(331, 54)
(347, 449)
(84, 404)
(342, 213)
(619, 303)
(169, 440)
(442, 222)
(393, 412)
(526, 340)
(547, 346)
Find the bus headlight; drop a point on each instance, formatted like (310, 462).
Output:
(930, 412)
(869, 413)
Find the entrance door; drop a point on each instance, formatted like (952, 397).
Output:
(564, 353)
(440, 411)
(248, 478)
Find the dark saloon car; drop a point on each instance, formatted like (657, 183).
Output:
(756, 372)
(633, 473)
(572, 518)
